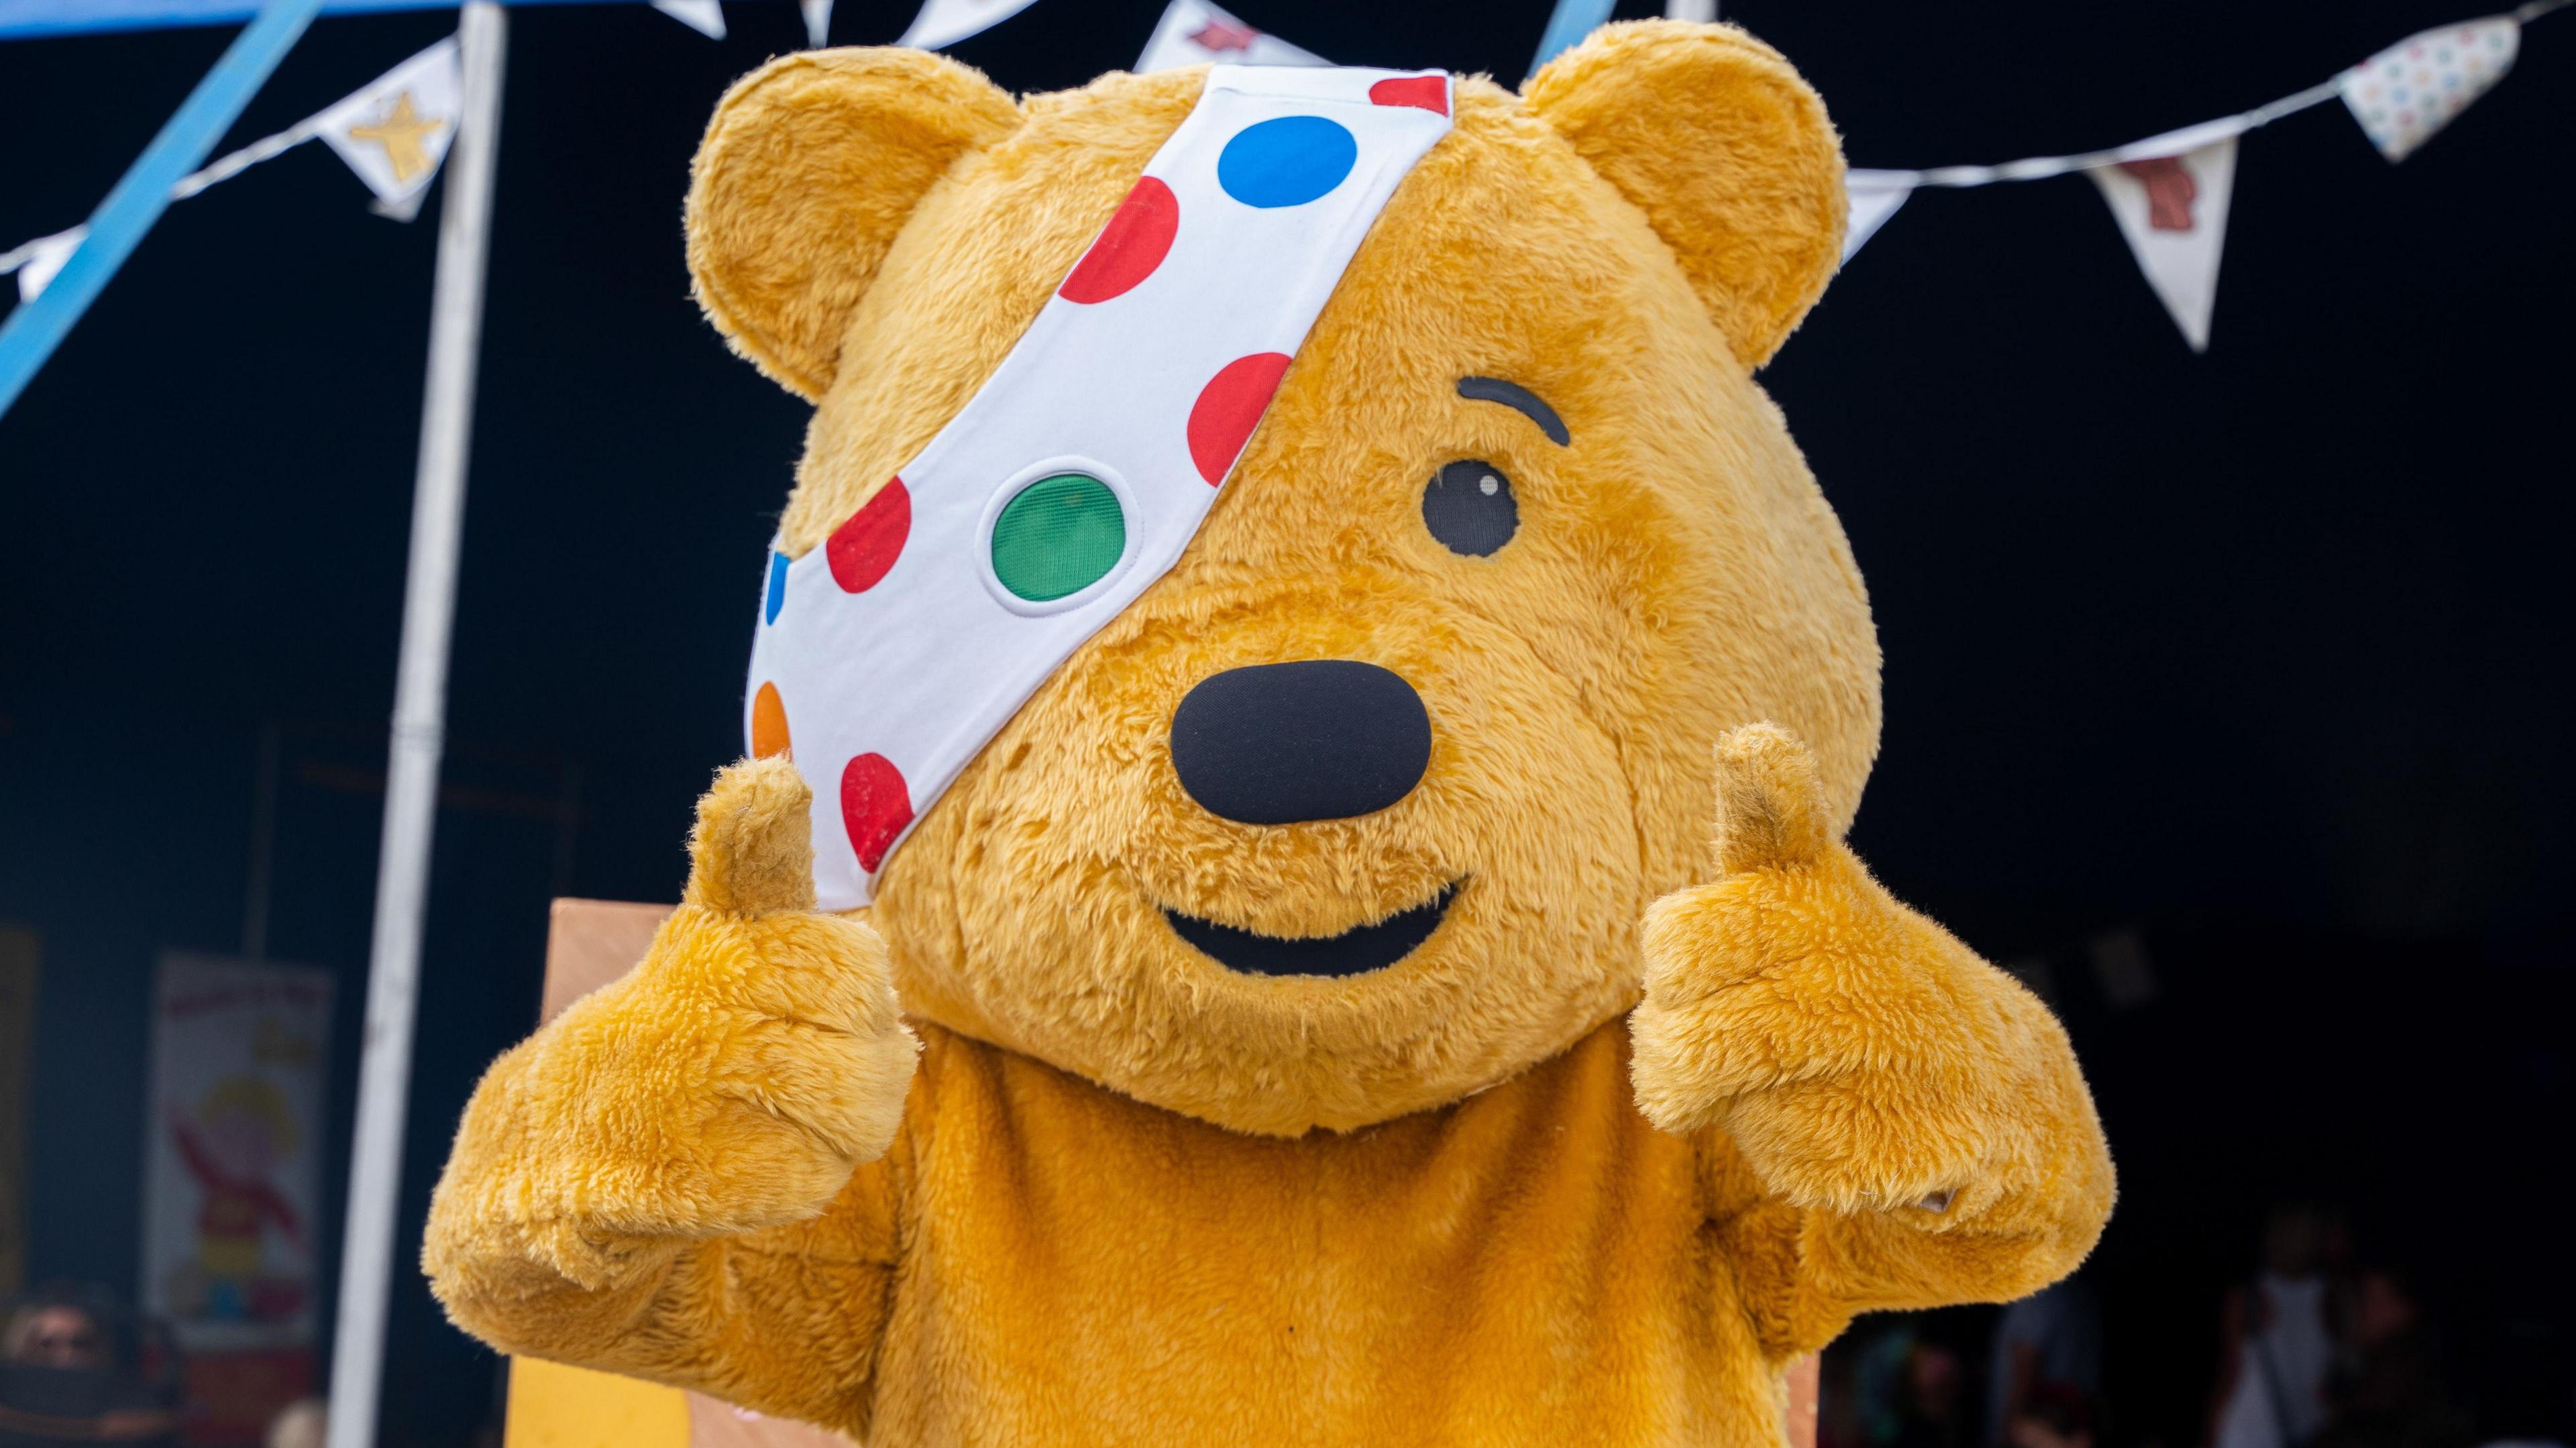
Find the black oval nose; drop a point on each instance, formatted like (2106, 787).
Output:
(1318, 739)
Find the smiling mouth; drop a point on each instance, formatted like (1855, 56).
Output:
(1356, 951)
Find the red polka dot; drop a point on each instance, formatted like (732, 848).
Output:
(862, 549)
(1431, 92)
(1130, 246)
(1229, 408)
(768, 723)
(875, 806)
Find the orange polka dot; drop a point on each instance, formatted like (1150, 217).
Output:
(768, 723)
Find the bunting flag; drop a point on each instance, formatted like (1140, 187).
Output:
(38, 260)
(943, 23)
(1873, 197)
(707, 18)
(1194, 32)
(393, 133)
(2171, 203)
(2404, 94)
(703, 16)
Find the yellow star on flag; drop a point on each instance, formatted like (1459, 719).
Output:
(401, 133)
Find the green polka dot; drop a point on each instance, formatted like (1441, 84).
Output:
(1058, 537)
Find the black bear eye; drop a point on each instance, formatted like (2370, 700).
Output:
(1469, 508)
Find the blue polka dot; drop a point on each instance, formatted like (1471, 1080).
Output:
(777, 598)
(1286, 162)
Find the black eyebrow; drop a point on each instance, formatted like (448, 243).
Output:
(1519, 398)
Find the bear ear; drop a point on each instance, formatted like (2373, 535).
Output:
(809, 169)
(1727, 152)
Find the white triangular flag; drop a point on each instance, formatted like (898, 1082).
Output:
(2404, 94)
(2173, 209)
(945, 22)
(703, 16)
(1193, 32)
(44, 259)
(1873, 196)
(818, 22)
(395, 132)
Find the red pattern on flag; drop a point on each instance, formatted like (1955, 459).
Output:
(2170, 191)
(1224, 35)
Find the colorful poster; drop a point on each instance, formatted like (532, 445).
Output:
(232, 1179)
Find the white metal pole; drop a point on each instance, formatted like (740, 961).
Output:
(1700, 10)
(420, 713)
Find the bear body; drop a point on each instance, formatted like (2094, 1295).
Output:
(1100, 1124)
(1045, 1261)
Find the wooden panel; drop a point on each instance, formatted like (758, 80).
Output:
(553, 1406)
(592, 942)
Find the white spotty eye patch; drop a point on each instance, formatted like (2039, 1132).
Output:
(1074, 478)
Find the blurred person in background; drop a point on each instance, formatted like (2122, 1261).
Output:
(1934, 1412)
(55, 1334)
(2277, 1343)
(2392, 1394)
(1899, 1383)
(2051, 1415)
(1861, 1397)
(75, 1369)
(2052, 1338)
(304, 1423)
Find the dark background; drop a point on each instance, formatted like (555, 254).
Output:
(2260, 654)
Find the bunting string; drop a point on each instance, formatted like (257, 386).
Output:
(2169, 193)
(393, 132)
(2037, 168)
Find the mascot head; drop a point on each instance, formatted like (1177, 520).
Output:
(1335, 790)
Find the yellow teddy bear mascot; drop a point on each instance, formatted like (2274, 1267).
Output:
(1399, 980)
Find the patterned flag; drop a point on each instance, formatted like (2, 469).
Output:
(395, 132)
(703, 16)
(2170, 196)
(2404, 94)
(1873, 197)
(1194, 32)
(43, 257)
(945, 22)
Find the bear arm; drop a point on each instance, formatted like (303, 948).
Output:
(2022, 1216)
(519, 1269)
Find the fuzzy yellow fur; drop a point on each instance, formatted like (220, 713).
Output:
(1131, 1196)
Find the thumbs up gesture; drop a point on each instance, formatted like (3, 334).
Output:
(730, 1083)
(1860, 1058)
